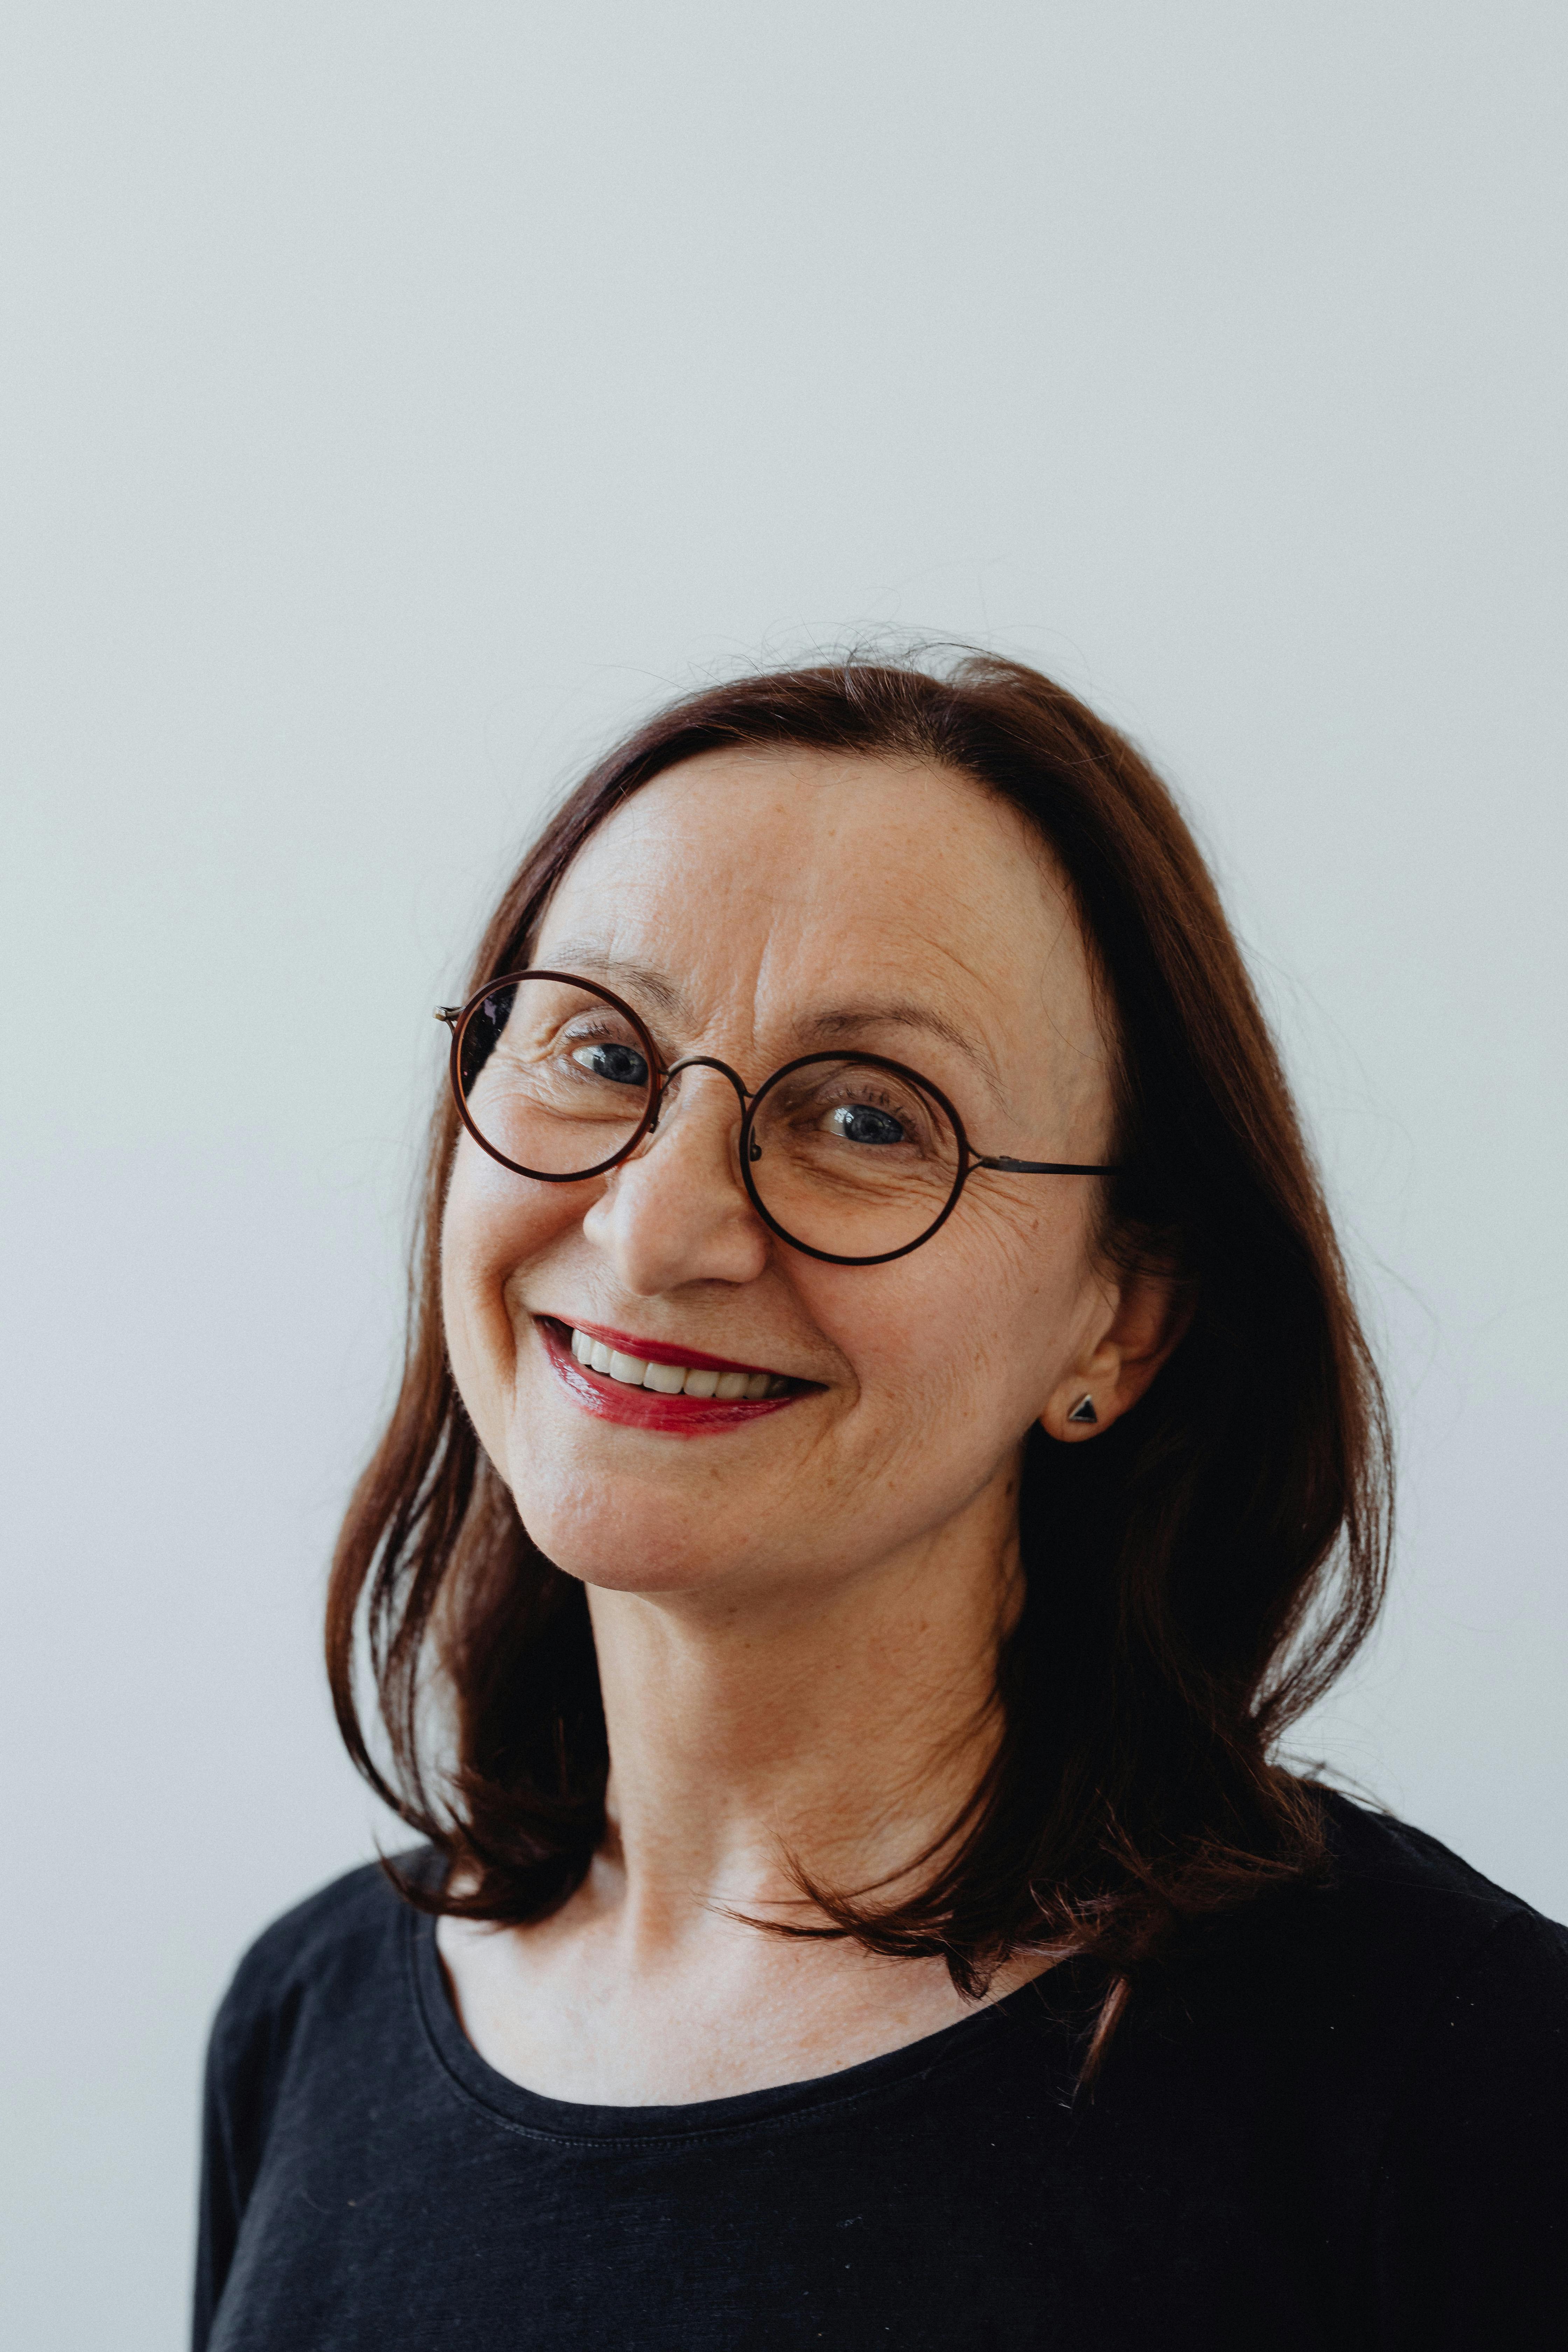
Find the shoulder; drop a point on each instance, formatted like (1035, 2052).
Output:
(1473, 1967)
(1394, 2034)
(1410, 1903)
(1398, 1948)
(322, 1954)
(1374, 1848)
(1403, 1977)
(308, 2006)
(1456, 1994)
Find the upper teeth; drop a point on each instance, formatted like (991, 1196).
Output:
(672, 1380)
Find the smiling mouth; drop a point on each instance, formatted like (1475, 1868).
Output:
(667, 1370)
(683, 1382)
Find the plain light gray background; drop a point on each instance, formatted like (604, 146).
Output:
(397, 399)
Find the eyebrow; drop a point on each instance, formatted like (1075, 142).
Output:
(901, 1013)
(577, 956)
(832, 1023)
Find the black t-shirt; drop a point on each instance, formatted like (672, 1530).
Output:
(1343, 2123)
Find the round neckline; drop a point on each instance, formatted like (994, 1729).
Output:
(779, 2104)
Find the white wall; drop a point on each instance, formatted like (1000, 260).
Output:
(398, 397)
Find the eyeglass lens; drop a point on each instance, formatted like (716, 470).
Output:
(851, 1158)
(846, 1157)
(555, 1079)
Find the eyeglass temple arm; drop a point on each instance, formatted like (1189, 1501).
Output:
(1043, 1167)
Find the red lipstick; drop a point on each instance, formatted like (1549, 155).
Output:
(654, 1351)
(672, 1416)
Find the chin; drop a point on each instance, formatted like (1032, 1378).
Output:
(643, 1544)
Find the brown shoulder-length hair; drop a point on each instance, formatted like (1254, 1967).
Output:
(1195, 1578)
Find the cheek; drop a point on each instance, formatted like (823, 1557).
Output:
(493, 1224)
(963, 1340)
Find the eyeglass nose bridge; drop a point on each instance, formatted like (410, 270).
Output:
(700, 1062)
(747, 1096)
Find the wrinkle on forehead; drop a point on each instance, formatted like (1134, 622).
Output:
(943, 909)
(812, 1026)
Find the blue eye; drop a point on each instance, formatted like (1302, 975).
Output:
(858, 1123)
(622, 1064)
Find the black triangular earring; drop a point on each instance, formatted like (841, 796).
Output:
(1084, 1410)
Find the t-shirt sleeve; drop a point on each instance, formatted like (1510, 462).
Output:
(237, 2102)
(1472, 2212)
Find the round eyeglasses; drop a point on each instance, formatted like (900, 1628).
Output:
(847, 1157)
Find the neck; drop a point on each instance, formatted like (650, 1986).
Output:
(842, 1726)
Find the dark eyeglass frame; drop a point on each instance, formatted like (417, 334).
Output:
(458, 1016)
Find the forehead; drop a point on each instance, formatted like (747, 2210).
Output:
(783, 859)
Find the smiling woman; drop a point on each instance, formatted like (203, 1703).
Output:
(886, 1450)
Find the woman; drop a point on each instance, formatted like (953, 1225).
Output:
(885, 1451)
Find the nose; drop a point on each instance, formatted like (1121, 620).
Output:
(707, 1061)
(677, 1211)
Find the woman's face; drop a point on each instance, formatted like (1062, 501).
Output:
(755, 906)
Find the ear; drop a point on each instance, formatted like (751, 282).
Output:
(1148, 1313)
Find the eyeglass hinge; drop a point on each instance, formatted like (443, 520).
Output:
(447, 1013)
